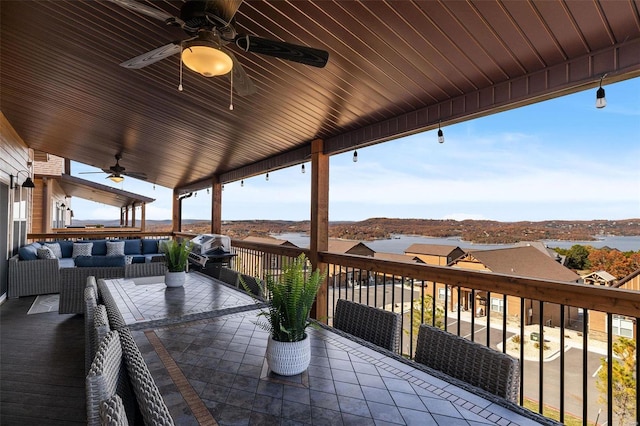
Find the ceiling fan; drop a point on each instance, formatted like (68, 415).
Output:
(117, 172)
(210, 27)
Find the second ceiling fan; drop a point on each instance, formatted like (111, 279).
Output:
(209, 25)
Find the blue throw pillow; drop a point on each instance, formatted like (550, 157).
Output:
(149, 246)
(66, 247)
(29, 252)
(99, 247)
(132, 246)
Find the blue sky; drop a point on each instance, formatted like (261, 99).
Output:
(561, 159)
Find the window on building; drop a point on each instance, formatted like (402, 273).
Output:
(441, 293)
(497, 305)
(622, 326)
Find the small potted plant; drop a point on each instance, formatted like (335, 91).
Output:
(290, 297)
(176, 258)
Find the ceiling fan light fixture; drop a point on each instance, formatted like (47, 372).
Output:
(116, 177)
(204, 57)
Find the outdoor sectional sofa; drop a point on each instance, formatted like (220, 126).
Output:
(67, 274)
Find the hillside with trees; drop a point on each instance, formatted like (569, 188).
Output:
(476, 231)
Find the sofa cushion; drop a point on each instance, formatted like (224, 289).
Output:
(66, 262)
(99, 261)
(82, 249)
(149, 246)
(115, 248)
(99, 247)
(29, 252)
(66, 247)
(46, 253)
(132, 246)
(56, 249)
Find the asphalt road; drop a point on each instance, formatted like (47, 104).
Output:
(551, 374)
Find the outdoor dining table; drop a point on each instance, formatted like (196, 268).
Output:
(210, 368)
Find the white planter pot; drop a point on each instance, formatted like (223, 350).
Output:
(288, 358)
(175, 279)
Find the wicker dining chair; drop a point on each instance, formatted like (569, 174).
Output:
(471, 362)
(377, 326)
(230, 276)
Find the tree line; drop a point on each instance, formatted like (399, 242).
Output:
(587, 258)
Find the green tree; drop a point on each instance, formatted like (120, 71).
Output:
(623, 380)
(422, 312)
(578, 257)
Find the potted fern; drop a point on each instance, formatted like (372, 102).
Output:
(176, 258)
(291, 296)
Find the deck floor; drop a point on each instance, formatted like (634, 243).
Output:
(41, 366)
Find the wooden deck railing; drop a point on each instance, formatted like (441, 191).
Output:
(96, 233)
(499, 311)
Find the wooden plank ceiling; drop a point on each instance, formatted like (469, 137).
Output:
(395, 68)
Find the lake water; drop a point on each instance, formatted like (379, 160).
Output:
(399, 243)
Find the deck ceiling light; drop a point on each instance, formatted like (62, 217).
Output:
(115, 177)
(13, 181)
(601, 102)
(440, 134)
(203, 55)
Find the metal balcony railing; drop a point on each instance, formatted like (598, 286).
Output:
(562, 333)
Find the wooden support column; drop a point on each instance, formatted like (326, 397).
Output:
(47, 199)
(126, 216)
(216, 205)
(122, 216)
(143, 216)
(133, 215)
(319, 221)
(176, 218)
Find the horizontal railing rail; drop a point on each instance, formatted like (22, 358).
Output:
(95, 234)
(561, 332)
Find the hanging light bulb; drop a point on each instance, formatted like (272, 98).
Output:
(355, 156)
(302, 169)
(242, 183)
(267, 177)
(440, 134)
(208, 189)
(222, 188)
(601, 102)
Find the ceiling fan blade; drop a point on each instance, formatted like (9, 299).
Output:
(146, 10)
(152, 56)
(280, 49)
(242, 84)
(90, 173)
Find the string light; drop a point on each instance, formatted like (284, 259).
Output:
(601, 101)
(302, 170)
(440, 134)
(208, 189)
(355, 156)
(267, 177)
(242, 183)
